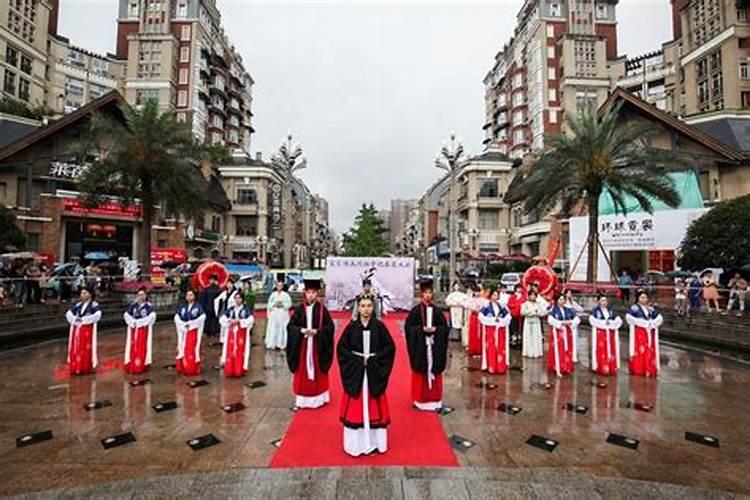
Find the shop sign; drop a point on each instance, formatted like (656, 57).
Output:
(110, 209)
(66, 170)
(276, 217)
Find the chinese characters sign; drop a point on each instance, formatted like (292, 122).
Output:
(392, 279)
(110, 209)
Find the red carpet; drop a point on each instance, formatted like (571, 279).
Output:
(314, 438)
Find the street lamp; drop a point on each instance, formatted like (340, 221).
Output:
(288, 160)
(449, 160)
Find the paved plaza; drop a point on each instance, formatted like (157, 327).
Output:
(695, 393)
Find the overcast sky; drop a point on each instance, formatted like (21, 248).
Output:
(371, 89)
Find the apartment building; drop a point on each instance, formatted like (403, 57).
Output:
(178, 54)
(555, 63)
(651, 77)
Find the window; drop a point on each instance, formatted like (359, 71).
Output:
(183, 80)
(585, 99)
(518, 99)
(703, 91)
(601, 11)
(143, 95)
(182, 96)
(488, 219)
(181, 9)
(73, 86)
(76, 58)
(99, 66)
(745, 71)
(553, 116)
(246, 196)
(217, 121)
(9, 83)
(550, 51)
(133, 9)
(216, 223)
(96, 91)
(517, 118)
(519, 137)
(245, 225)
(185, 33)
(185, 54)
(555, 10)
(11, 56)
(745, 98)
(26, 64)
(585, 58)
(181, 117)
(551, 74)
(488, 188)
(742, 15)
(552, 95)
(550, 31)
(517, 80)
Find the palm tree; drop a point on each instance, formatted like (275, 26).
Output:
(151, 158)
(601, 154)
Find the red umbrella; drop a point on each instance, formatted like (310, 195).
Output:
(206, 270)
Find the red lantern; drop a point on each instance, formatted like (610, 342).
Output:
(109, 230)
(94, 229)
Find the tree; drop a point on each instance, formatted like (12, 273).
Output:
(365, 238)
(11, 237)
(719, 238)
(600, 154)
(151, 158)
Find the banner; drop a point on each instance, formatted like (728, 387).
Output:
(392, 278)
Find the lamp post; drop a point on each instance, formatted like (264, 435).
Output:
(449, 160)
(288, 160)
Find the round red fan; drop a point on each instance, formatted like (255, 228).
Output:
(544, 277)
(206, 270)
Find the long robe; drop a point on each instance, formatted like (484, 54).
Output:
(516, 323)
(278, 319)
(364, 406)
(140, 319)
(573, 335)
(495, 338)
(309, 357)
(222, 302)
(533, 312)
(605, 340)
(455, 302)
(207, 300)
(189, 322)
(474, 343)
(560, 355)
(235, 351)
(643, 347)
(428, 355)
(82, 337)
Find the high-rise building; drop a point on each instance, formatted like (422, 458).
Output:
(23, 49)
(399, 218)
(555, 63)
(177, 53)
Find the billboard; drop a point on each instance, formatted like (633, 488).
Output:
(392, 278)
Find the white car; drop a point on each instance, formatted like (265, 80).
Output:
(511, 280)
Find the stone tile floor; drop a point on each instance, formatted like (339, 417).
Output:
(695, 392)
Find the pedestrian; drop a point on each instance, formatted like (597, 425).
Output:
(207, 300)
(680, 297)
(83, 317)
(533, 312)
(494, 319)
(695, 292)
(710, 291)
(365, 353)
(624, 281)
(309, 352)
(737, 293)
(515, 303)
(605, 338)
(18, 277)
(189, 321)
(279, 303)
(237, 323)
(140, 317)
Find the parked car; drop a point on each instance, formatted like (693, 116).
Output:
(511, 280)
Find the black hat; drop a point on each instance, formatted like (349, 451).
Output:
(366, 281)
(425, 284)
(280, 277)
(312, 284)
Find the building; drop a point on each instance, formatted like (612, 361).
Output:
(399, 218)
(555, 63)
(385, 216)
(77, 76)
(176, 52)
(24, 25)
(38, 181)
(651, 77)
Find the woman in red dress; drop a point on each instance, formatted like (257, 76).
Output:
(644, 321)
(189, 322)
(140, 318)
(605, 338)
(562, 320)
(494, 319)
(366, 353)
(236, 323)
(83, 317)
(474, 305)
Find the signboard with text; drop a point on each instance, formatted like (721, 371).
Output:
(108, 209)
(392, 278)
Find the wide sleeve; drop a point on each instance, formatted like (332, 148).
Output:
(94, 317)
(70, 315)
(380, 365)
(247, 321)
(415, 341)
(224, 319)
(325, 341)
(505, 319)
(146, 321)
(633, 318)
(527, 310)
(351, 366)
(294, 338)
(485, 319)
(440, 337)
(286, 300)
(554, 322)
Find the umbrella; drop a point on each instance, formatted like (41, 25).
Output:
(96, 256)
(208, 269)
(679, 274)
(170, 264)
(19, 255)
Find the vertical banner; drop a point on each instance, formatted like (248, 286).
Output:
(392, 278)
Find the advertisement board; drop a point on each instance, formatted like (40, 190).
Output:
(162, 255)
(392, 278)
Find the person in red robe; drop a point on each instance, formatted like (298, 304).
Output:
(365, 353)
(644, 321)
(474, 305)
(83, 317)
(515, 302)
(494, 319)
(605, 338)
(427, 341)
(562, 320)
(189, 322)
(236, 323)
(140, 318)
(309, 351)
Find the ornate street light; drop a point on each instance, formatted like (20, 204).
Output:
(287, 161)
(449, 160)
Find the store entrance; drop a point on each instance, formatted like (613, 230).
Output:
(86, 237)
(632, 261)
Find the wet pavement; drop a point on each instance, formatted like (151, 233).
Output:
(696, 393)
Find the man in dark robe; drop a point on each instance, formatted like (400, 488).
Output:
(366, 353)
(207, 299)
(427, 341)
(309, 350)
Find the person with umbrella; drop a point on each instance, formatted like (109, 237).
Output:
(207, 300)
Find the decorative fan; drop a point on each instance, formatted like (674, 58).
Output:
(544, 277)
(206, 270)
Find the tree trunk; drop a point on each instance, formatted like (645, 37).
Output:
(593, 240)
(145, 250)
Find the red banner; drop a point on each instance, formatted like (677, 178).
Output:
(110, 209)
(162, 255)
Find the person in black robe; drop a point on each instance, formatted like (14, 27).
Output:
(427, 341)
(365, 353)
(207, 299)
(367, 291)
(310, 331)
